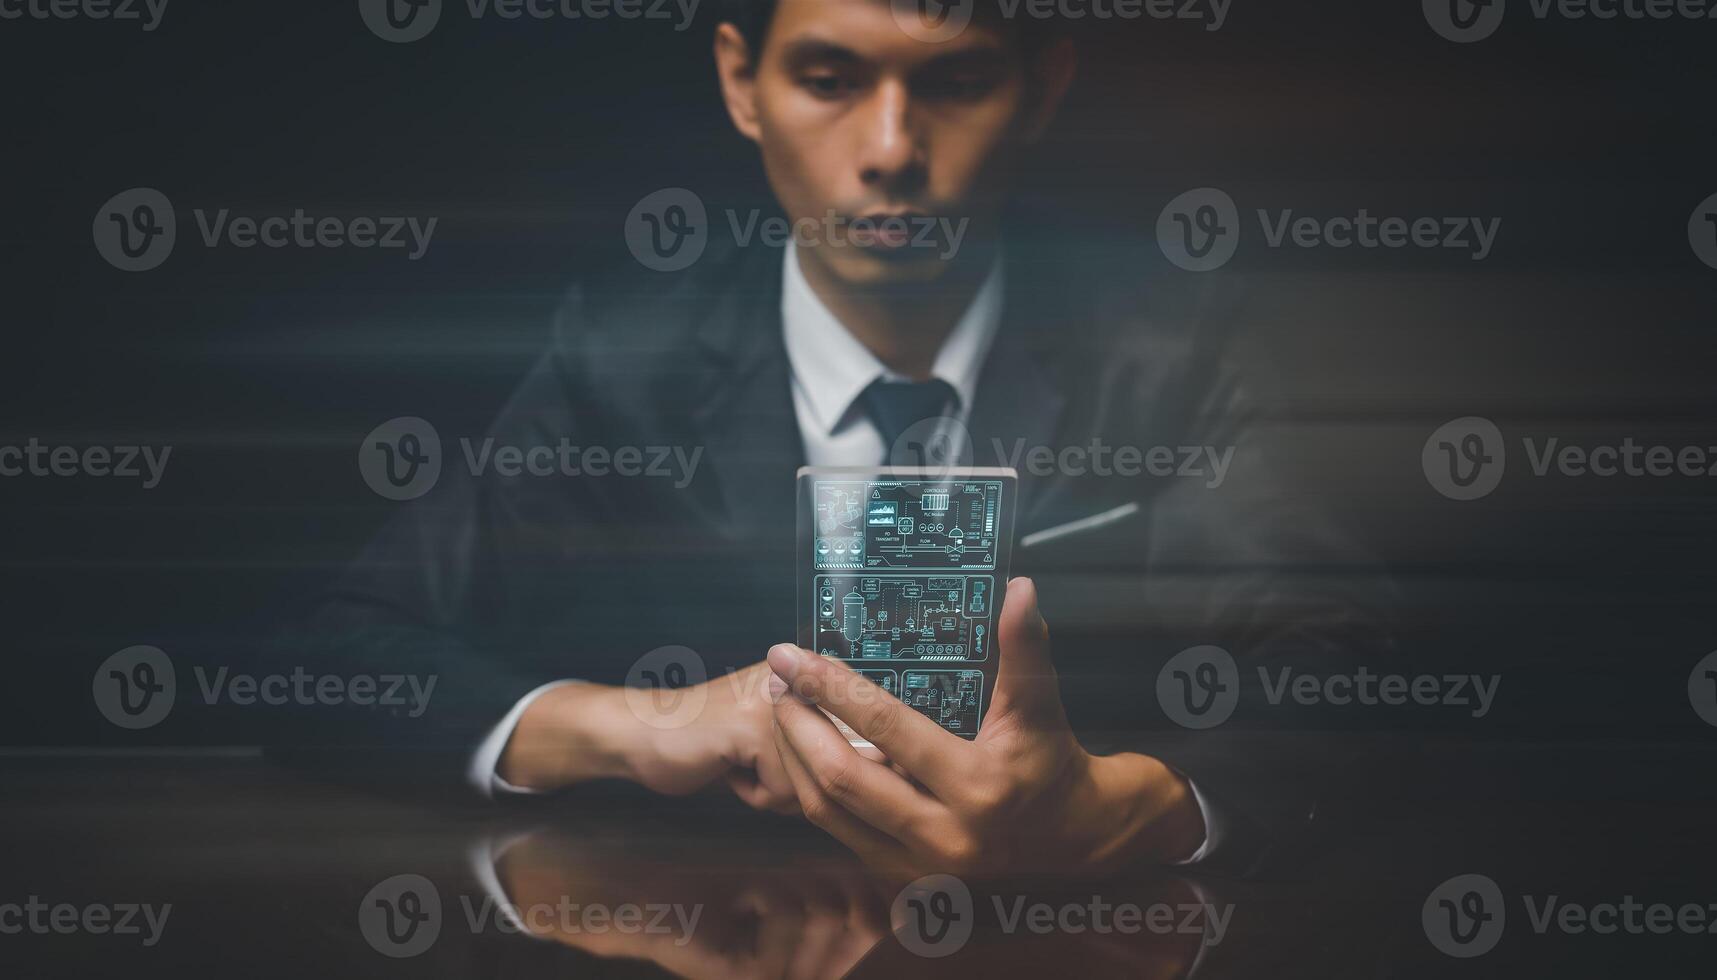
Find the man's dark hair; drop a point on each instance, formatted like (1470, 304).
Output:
(753, 18)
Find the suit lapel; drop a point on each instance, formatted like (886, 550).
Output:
(1019, 403)
(747, 425)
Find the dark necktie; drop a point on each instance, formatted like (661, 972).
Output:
(897, 406)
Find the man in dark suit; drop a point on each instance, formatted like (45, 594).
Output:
(532, 597)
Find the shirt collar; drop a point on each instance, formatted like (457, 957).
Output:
(831, 368)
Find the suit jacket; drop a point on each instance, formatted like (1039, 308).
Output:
(498, 585)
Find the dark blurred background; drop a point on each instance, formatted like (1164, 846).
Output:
(531, 140)
(1591, 321)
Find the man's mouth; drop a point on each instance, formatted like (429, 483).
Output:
(886, 229)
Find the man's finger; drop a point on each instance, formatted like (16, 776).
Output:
(870, 791)
(1026, 684)
(871, 845)
(745, 786)
(933, 755)
(772, 774)
(760, 796)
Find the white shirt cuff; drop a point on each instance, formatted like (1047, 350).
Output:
(1212, 828)
(481, 774)
(485, 859)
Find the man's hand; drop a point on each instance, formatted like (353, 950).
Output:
(1023, 796)
(795, 918)
(590, 731)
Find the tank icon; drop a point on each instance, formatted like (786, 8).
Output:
(852, 616)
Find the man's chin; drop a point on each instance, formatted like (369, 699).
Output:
(877, 267)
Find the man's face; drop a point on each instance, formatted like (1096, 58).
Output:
(856, 118)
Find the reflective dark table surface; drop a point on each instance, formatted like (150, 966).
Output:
(272, 872)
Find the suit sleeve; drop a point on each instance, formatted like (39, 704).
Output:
(1257, 567)
(429, 598)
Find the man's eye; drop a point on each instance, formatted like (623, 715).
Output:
(960, 88)
(826, 86)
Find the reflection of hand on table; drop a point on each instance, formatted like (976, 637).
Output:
(806, 920)
(1006, 941)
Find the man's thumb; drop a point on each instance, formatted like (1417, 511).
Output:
(1025, 676)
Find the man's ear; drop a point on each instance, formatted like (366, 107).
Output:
(736, 67)
(1051, 73)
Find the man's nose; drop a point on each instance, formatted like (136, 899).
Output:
(892, 156)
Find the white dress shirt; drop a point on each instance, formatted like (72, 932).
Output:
(830, 369)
